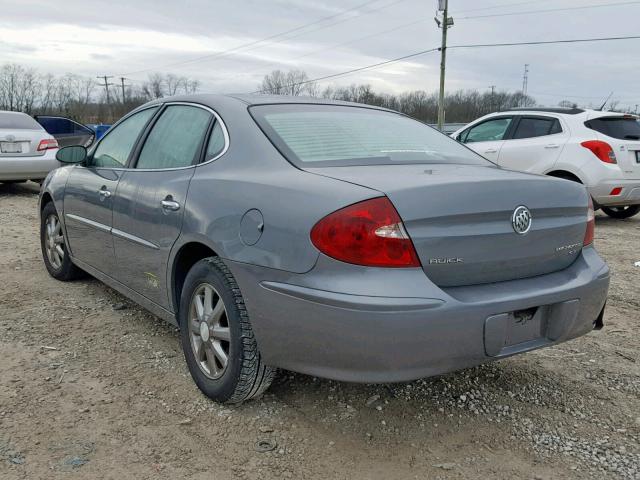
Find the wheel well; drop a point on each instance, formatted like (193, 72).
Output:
(46, 198)
(186, 258)
(564, 174)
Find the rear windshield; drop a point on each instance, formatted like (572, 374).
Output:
(332, 135)
(624, 128)
(18, 121)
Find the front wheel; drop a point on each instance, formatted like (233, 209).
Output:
(218, 342)
(622, 212)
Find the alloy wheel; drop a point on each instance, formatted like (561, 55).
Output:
(54, 241)
(209, 331)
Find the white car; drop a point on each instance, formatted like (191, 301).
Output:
(27, 151)
(598, 149)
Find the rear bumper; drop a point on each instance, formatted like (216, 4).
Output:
(630, 194)
(28, 168)
(395, 325)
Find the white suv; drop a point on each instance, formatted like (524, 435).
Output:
(598, 149)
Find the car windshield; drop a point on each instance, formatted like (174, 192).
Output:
(623, 128)
(333, 135)
(18, 121)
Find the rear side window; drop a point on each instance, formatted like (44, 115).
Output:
(114, 149)
(175, 139)
(491, 130)
(18, 121)
(216, 142)
(56, 125)
(623, 128)
(335, 135)
(530, 127)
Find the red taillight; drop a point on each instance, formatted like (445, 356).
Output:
(367, 233)
(601, 149)
(591, 224)
(616, 191)
(47, 144)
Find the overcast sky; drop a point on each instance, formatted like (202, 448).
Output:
(135, 37)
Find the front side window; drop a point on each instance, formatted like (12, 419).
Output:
(333, 135)
(175, 138)
(114, 149)
(536, 127)
(489, 131)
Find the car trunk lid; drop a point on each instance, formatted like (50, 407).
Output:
(459, 218)
(21, 142)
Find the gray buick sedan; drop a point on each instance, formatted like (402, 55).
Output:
(333, 239)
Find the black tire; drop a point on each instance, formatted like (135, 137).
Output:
(621, 212)
(245, 375)
(66, 270)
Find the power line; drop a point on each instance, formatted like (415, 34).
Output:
(551, 10)
(423, 52)
(271, 37)
(375, 65)
(337, 45)
(547, 42)
(501, 5)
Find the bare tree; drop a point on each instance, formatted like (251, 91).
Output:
(293, 82)
(153, 88)
(173, 82)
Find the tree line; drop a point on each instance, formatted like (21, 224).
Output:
(84, 99)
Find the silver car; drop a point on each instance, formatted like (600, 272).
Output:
(333, 239)
(27, 151)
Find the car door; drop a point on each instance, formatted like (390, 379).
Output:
(534, 145)
(149, 208)
(487, 137)
(66, 131)
(91, 189)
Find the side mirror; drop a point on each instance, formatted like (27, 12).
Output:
(72, 154)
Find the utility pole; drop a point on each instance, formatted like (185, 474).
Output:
(124, 98)
(525, 84)
(106, 85)
(493, 90)
(443, 6)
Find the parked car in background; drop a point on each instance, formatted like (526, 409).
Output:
(66, 131)
(99, 128)
(598, 149)
(449, 128)
(329, 238)
(27, 151)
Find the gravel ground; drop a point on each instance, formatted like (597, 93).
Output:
(92, 386)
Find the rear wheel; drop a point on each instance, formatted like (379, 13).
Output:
(54, 246)
(218, 342)
(622, 212)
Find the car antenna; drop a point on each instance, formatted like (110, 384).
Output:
(605, 102)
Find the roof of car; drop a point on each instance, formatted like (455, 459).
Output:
(256, 99)
(566, 111)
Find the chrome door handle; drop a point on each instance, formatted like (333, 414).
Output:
(170, 205)
(552, 145)
(104, 193)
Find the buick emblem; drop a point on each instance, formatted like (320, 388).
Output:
(521, 220)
